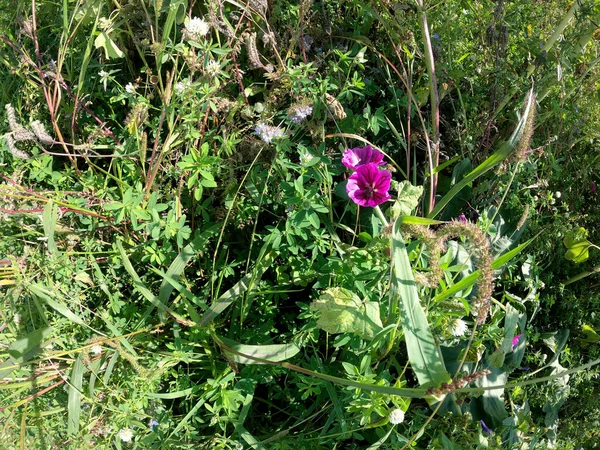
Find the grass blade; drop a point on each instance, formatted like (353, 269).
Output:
(270, 352)
(246, 284)
(423, 353)
(178, 265)
(495, 159)
(74, 403)
(471, 279)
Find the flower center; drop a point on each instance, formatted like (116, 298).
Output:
(370, 189)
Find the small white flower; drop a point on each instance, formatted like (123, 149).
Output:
(267, 132)
(213, 68)
(96, 349)
(126, 434)
(182, 86)
(17, 318)
(104, 23)
(299, 112)
(103, 74)
(305, 158)
(197, 28)
(458, 327)
(557, 194)
(396, 416)
(360, 57)
(130, 88)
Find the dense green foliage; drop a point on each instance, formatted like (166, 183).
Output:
(182, 265)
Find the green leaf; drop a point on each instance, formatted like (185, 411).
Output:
(23, 349)
(423, 352)
(44, 294)
(270, 352)
(111, 50)
(74, 402)
(342, 311)
(49, 219)
(577, 245)
(408, 199)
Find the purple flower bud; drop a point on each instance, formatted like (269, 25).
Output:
(462, 218)
(515, 341)
(485, 428)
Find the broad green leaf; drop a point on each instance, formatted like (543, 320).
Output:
(423, 352)
(74, 402)
(590, 334)
(268, 352)
(408, 199)
(111, 50)
(577, 245)
(342, 311)
(23, 349)
(490, 405)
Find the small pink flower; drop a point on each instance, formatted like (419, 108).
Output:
(369, 186)
(515, 341)
(359, 156)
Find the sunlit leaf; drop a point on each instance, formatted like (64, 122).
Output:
(342, 311)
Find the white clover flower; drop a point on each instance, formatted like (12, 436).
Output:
(396, 416)
(96, 349)
(130, 88)
(267, 132)
(181, 86)
(300, 112)
(305, 158)
(458, 327)
(557, 194)
(213, 68)
(197, 28)
(126, 434)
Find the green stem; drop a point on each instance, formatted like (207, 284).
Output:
(381, 216)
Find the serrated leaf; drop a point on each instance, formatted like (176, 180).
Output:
(408, 199)
(342, 311)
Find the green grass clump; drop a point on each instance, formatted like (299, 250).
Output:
(184, 266)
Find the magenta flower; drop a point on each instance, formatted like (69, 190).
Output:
(369, 186)
(359, 156)
(515, 341)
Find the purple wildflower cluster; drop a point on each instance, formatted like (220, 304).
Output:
(368, 185)
(299, 112)
(267, 132)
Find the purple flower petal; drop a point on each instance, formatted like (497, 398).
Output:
(515, 341)
(485, 428)
(369, 186)
(359, 156)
